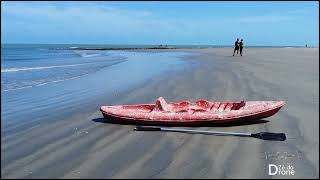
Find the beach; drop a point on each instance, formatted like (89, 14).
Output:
(73, 140)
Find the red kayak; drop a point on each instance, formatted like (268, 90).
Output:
(187, 113)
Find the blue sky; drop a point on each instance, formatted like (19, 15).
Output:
(216, 23)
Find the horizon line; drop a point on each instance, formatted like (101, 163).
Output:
(145, 44)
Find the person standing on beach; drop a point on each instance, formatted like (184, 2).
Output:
(241, 46)
(236, 46)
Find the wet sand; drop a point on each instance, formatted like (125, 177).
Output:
(87, 146)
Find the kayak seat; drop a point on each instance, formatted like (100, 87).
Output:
(204, 104)
(237, 106)
(227, 106)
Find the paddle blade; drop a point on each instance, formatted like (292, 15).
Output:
(147, 128)
(270, 136)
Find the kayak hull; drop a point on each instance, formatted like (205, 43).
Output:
(191, 114)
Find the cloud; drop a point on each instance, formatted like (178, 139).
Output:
(79, 18)
(265, 19)
(97, 21)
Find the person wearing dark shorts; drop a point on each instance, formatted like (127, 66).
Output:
(241, 46)
(236, 46)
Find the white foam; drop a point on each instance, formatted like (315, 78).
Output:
(41, 84)
(85, 55)
(89, 55)
(40, 68)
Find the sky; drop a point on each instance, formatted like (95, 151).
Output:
(168, 22)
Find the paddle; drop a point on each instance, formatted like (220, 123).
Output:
(261, 135)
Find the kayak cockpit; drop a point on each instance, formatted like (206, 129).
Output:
(184, 106)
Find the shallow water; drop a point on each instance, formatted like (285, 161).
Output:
(46, 84)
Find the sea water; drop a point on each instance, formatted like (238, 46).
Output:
(41, 82)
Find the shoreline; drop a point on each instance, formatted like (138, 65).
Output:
(184, 48)
(103, 49)
(86, 145)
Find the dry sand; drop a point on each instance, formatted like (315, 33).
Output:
(85, 146)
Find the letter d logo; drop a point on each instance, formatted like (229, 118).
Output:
(275, 167)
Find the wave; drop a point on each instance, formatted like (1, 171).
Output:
(55, 80)
(40, 68)
(85, 55)
(73, 47)
(89, 55)
(41, 84)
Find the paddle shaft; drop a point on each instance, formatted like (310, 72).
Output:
(194, 131)
(261, 135)
(207, 132)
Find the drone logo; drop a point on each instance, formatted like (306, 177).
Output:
(281, 170)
